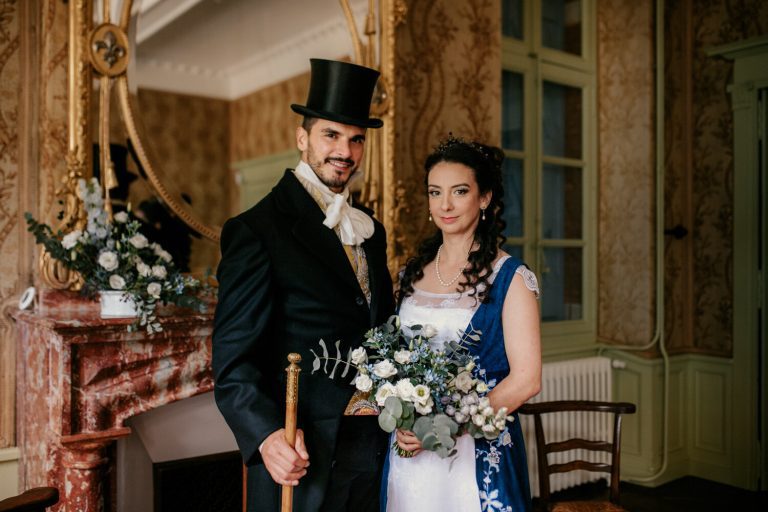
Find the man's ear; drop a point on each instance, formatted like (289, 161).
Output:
(302, 139)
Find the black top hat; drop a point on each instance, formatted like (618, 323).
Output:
(341, 92)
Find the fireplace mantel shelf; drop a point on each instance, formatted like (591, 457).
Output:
(81, 377)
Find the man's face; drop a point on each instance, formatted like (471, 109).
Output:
(333, 150)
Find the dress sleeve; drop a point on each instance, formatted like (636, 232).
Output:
(529, 278)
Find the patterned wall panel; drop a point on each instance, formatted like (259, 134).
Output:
(448, 61)
(699, 168)
(626, 176)
(53, 106)
(10, 227)
(189, 137)
(262, 123)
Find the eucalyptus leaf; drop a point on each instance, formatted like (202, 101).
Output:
(394, 406)
(422, 427)
(387, 422)
(429, 442)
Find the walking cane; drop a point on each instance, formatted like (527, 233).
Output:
(291, 398)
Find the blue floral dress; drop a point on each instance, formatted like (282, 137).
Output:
(500, 469)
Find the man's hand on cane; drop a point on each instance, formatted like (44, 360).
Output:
(285, 464)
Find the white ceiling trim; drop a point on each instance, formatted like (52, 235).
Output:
(272, 65)
(156, 15)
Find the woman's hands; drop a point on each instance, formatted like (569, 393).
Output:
(408, 441)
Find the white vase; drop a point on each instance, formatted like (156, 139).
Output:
(117, 304)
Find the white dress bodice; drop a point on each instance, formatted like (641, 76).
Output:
(426, 482)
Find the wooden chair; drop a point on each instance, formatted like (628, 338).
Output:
(33, 500)
(543, 448)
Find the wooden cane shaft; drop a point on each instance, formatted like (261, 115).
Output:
(291, 399)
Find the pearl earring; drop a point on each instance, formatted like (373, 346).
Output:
(430, 216)
(483, 210)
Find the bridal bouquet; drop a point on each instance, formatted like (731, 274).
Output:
(114, 255)
(438, 394)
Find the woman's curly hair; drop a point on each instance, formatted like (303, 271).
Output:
(485, 162)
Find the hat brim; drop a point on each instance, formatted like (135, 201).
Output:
(339, 118)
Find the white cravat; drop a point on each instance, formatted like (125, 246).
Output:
(354, 225)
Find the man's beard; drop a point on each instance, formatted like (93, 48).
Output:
(333, 181)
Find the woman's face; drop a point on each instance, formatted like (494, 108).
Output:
(454, 198)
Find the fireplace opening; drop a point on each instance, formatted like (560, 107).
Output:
(199, 484)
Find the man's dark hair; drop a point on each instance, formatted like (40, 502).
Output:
(308, 123)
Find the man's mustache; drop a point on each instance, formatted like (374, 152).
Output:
(348, 161)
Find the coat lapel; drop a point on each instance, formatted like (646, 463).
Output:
(308, 229)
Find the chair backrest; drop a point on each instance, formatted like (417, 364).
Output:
(543, 448)
(33, 500)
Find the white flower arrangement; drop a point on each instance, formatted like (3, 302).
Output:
(436, 393)
(116, 256)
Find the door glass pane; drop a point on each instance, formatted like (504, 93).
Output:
(561, 284)
(561, 207)
(561, 120)
(512, 18)
(516, 251)
(512, 110)
(512, 177)
(561, 25)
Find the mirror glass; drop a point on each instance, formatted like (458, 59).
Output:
(213, 81)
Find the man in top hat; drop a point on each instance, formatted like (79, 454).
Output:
(305, 264)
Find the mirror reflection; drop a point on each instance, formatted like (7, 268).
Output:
(213, 81)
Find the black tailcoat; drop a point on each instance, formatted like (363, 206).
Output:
(285, 282)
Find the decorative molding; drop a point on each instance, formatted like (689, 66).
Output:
(261, 69)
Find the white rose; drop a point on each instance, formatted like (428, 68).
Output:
(139, 241)
(428, 331)
(481, 387)
(425, 408)
(121, 217)
(108, 260)
(489, 429)
(405, 389)
(384, 392)
(363, 383)
(154, 289)
(464, 382)
(116, 282)
(384, 369)
(143, 269)
(478, 419)
(403, 356)
(159, 271)
(421, 394)
(71, 239)
(460, 417)
(162, 253)
(359, 356)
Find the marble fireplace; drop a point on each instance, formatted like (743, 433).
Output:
(80, 378)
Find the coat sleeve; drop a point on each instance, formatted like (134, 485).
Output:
(243, 390)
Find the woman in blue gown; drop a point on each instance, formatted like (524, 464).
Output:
(459, 281)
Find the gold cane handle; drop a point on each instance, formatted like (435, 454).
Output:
(291, 399)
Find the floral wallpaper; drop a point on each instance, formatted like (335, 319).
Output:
(448, 66)
(699, 169)
(626, 172)
(190, 139)
(262, 123)
(53, 106)
(10, 85)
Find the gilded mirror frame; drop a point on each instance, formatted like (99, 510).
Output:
(104, 51)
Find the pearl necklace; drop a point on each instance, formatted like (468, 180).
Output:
(437, 270)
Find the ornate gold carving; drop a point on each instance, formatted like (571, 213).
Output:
(109, 50)
(379, 189)
(292, 387)
(52, 272)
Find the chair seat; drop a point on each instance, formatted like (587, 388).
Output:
(586, 506)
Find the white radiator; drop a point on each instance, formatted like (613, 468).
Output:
(578, 379)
